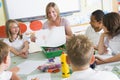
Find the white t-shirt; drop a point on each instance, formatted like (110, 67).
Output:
(91, 74)
(113, 44)
(6, 75)
(17, 44)
(92, 35)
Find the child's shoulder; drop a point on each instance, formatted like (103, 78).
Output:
(6, 75)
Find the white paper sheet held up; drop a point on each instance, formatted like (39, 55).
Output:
(29, 65)
(42, 76)
(51, 37)
(33, 47)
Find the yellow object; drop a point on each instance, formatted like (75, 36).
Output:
(64, 66)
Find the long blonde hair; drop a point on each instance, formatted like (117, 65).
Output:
(8, 33)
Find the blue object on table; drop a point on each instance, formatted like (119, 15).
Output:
(51, 59)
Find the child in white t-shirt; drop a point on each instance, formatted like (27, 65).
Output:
(80, 55)
(110, 38)
(95, 30)
(5, 62)
(19, 45)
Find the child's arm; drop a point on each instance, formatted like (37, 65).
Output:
(24, 50)
(101, 47)
(15, 77)
(35, 79)
(108, 60)
(25, 46)
(14, 51)
(14, 70)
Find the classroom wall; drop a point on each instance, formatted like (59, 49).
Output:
(87, 6)
(2, 15)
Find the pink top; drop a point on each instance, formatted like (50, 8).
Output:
(64, 22)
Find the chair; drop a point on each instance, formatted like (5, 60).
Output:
(2, 32)
(23, 27)
(36, 25)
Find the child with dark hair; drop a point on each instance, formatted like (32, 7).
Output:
(80, 55)
(110, 38)
(94, 31)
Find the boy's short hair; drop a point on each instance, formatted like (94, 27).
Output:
(79, 50)
(98, 14)
(4, 50)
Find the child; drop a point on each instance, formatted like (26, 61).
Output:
(110, 38)
(5, 61)
(94, 31)
(80, 56)
(17, 42)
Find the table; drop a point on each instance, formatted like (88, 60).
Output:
(15, 60)
(113, 67)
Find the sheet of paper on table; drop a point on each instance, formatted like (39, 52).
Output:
(41, 76)
(29, 65)
(53, 37)
(113, 66)
(33, 47)
(104, 56)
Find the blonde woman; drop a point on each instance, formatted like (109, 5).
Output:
(54, 19)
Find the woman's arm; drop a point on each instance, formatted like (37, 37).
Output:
(68, 32)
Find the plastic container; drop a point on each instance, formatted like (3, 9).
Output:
(52, 52)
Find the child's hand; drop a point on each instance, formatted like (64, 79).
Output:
(14, 69)
(23, 54)
(33, 38)
(99, 60)
(35, 79)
